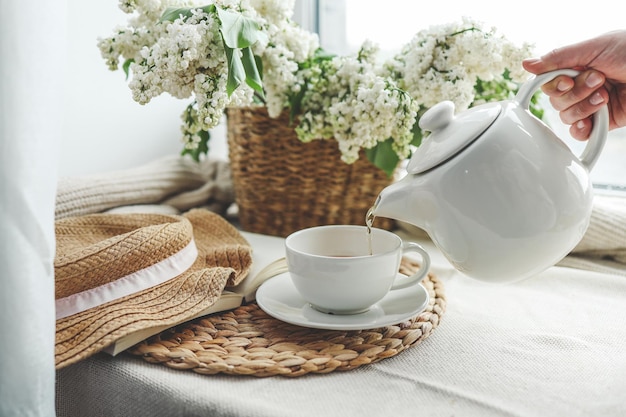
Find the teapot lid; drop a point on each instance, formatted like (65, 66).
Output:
(449, 133)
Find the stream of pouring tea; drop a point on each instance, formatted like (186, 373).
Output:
(369, 220)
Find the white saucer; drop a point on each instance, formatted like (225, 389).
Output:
(279, 298)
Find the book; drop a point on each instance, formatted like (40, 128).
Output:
(267, 262)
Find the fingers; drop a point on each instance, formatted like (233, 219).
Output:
(583, 95)
(577, 99)
(581, 129)
(558, 87)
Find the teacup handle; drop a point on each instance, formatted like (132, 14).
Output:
(598, 134)
(406, 281)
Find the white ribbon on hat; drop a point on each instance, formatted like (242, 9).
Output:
(143, 279)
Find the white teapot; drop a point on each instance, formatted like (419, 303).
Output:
(496, 190)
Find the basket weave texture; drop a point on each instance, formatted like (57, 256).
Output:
(247, 341)
(283, 185)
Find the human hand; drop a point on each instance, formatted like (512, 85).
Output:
(602, 81)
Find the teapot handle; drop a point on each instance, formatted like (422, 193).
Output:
(598, 135)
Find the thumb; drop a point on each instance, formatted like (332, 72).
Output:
(572, 56)
(537, 65)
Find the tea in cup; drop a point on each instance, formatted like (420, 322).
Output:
(332, 269)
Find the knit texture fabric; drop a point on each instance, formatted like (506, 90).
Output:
(603, 247)
(174, 183)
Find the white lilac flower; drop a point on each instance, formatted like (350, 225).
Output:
(348, 102)
(191, 128)
(275, 11)
(444, 62)
(289, 45)
(183, 58)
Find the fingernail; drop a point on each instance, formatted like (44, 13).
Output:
(532, 60)
(596, 99)
(562, 86)
(593, 80)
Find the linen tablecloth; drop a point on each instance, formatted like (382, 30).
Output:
(552, 345)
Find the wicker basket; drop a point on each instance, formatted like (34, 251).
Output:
(283, 185)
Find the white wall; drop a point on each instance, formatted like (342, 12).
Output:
(104, 129)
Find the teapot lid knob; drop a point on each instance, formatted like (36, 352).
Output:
(438, 116)
(449, 134)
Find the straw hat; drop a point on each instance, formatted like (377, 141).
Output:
(119, 273)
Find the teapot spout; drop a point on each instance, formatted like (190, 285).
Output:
(401, 201)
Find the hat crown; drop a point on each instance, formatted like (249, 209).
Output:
(98, 249)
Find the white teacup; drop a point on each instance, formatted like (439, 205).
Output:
(331, 266)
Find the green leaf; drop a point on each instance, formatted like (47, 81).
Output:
(295, 103)
(172, 13)
(259, 65)
(126, 66)
(209, 8)
(238, 31)
(202, 149)
(323, 55)
(384, 157)
(417, 135)
(236, 70)
(253, 77)
(535, 106)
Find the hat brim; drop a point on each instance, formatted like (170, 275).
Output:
(224, 256)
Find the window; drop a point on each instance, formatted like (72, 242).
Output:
(344, 24)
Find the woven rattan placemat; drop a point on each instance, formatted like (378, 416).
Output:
(247, 341)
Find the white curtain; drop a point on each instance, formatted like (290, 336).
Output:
(32, 60)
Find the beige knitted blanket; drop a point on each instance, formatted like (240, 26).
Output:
(169, 185)
(174, 185)
(603, 247)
